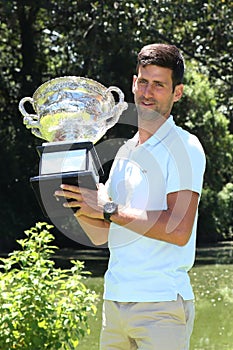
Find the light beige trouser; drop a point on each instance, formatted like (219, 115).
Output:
(147, 326)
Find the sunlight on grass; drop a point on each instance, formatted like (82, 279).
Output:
(213, 287)
(91, 342)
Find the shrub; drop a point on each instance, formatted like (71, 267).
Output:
(207, 232)
(41, 306)
(224, 214)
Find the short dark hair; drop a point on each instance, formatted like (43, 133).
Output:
(163, 55)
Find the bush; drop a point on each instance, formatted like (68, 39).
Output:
(207, 232)
(41, 306)
(224, 213)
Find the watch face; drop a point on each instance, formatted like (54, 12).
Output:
(110, 207)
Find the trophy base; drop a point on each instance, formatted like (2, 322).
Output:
(44, 187)
(72, 163)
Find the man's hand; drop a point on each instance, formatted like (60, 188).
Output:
(88, 202)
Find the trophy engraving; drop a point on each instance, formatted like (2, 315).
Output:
(71, 114)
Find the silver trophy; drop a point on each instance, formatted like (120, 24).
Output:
(71, 114)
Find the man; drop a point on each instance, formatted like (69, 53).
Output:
(149, 216)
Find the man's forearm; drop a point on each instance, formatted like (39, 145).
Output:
(152, 224)
(173, 225)
(96, 229)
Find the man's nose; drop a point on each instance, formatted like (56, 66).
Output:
(148, 91)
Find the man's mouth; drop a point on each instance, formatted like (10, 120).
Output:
(147, 103)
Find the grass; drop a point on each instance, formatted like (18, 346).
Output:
(213, 287)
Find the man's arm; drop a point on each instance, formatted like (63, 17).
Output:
(96, 229)
(173, 225)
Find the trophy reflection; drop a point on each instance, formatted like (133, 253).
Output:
(71, 115)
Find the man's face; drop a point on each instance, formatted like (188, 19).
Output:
(153, 92)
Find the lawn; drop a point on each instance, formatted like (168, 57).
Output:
(213, 287)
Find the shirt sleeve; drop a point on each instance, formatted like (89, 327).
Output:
(186, 165)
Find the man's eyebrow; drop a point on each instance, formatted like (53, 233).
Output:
(154, 81)
(159, 81)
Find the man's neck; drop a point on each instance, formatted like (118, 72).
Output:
(148, 128)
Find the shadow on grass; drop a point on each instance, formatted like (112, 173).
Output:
(96, 260)
(220, 253)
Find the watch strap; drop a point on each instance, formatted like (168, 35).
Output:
(107, 216)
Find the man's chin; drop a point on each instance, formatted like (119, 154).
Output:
(148, 114)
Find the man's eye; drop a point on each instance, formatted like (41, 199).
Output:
(141, 82)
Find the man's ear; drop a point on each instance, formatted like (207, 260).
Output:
(133, 83)
(178, 92)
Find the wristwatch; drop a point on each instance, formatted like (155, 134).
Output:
(110, 208)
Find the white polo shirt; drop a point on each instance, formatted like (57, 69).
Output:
(143, 269)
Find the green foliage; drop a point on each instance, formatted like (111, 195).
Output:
(207, 220)
(225, 209)
(41, 306)
(198, 111)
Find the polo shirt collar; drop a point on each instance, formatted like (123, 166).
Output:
(159, 135)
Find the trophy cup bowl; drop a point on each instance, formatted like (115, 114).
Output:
(72, 109)
(71, 114)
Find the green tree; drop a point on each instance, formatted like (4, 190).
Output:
(204, 118)
(224, 214)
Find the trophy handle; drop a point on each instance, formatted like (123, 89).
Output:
(118, 108)
(30, 120)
